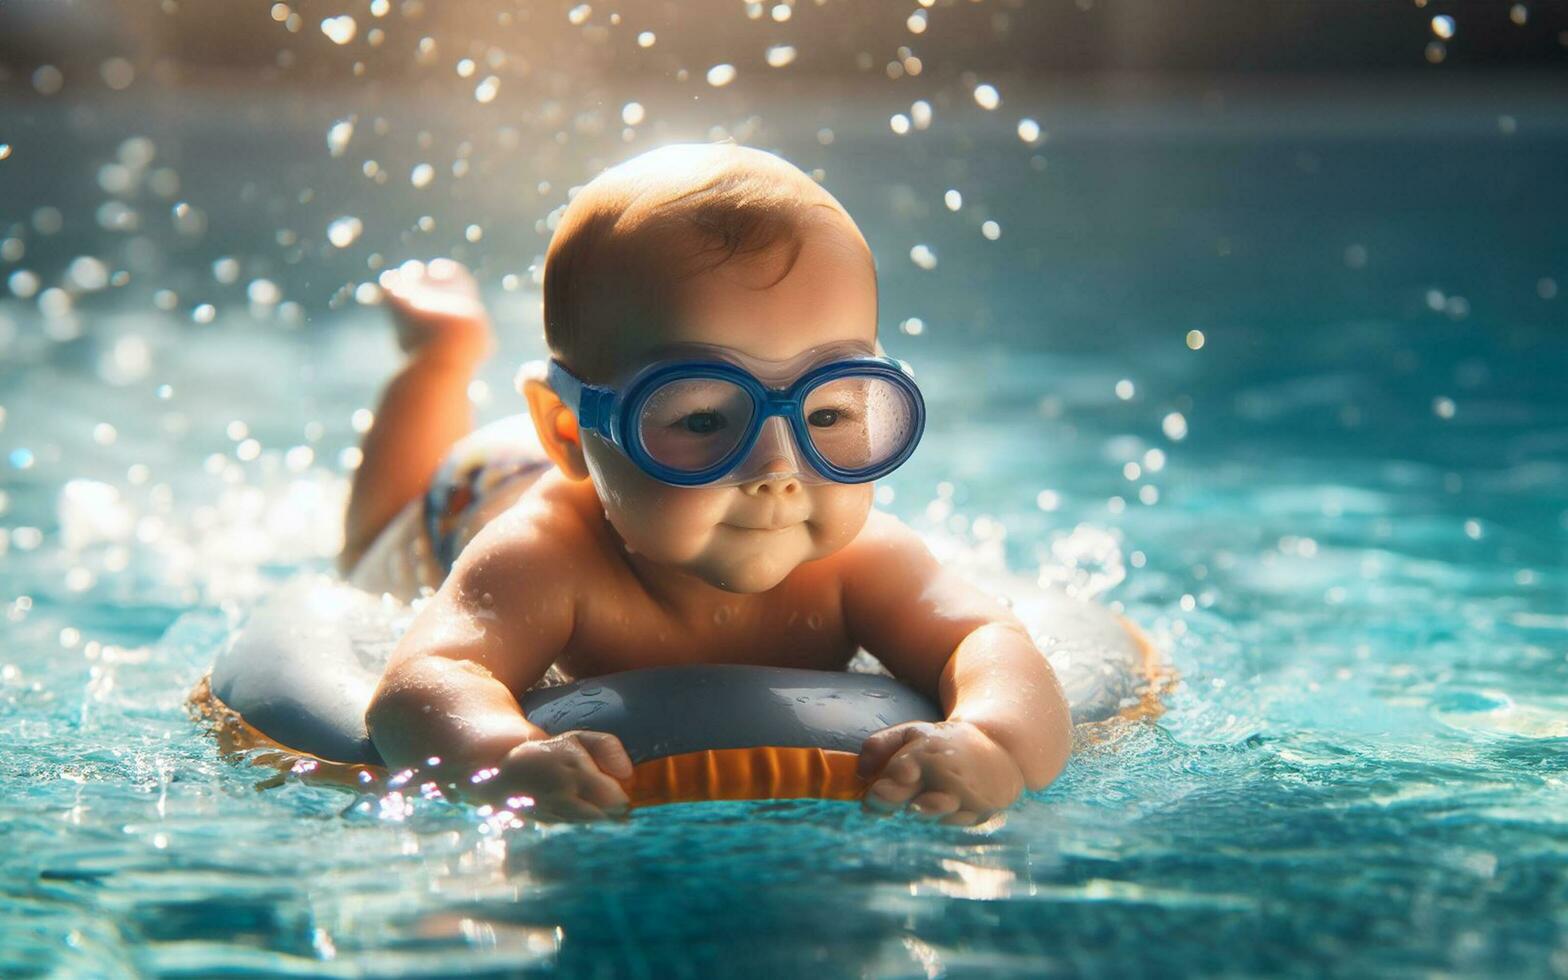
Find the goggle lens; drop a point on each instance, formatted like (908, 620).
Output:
(857, 422)
(691, 424)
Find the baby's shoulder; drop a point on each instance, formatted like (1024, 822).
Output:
(546, 535)
(883, 541)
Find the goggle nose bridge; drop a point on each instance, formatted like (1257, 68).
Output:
(781, 445)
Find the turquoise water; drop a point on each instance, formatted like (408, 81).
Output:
(1343, 516)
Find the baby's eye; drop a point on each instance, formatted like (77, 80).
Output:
(823, 417)
(703, 423)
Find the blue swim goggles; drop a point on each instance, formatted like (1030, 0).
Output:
(712, 416)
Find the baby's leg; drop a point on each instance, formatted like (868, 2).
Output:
(425, 409)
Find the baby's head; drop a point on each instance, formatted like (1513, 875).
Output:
(719, 245)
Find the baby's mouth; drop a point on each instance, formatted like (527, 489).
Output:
(770, 529)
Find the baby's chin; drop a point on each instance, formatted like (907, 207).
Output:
(754, 567)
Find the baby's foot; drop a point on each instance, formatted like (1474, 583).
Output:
(437, 310)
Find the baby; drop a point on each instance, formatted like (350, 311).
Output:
(678, 499)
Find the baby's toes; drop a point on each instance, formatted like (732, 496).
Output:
(450, 274)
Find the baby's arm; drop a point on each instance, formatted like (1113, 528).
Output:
(1008, 726)
(493, 629)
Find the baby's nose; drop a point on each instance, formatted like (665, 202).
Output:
(779, 478)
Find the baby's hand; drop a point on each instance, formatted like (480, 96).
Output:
(948, 770)
(572, 776)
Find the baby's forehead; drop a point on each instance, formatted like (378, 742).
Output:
(813, 288)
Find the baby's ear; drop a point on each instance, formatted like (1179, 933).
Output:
(556, 426)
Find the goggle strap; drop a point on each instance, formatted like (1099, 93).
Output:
(590, 403)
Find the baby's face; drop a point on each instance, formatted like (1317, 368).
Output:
(748, 537)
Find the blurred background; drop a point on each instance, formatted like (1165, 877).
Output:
(308, 144)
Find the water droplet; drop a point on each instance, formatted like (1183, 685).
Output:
(117, 73)
(632, 113)
(780, 55)
(340, 29)
(48, 80)
(263, 292)
(1443, 26)
(1174, 426)
(986, 97)
(721, 75)
(339, 135)
(344, 231)
(1195, 340)
(923, 256)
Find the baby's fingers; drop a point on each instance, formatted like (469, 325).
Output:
(880, 746)
(933, 804)
(886, 796)
(564, 809)
(603, 792)
(607, 753)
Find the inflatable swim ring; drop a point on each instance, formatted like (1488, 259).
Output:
(295, 680)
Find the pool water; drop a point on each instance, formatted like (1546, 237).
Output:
(1281, 378)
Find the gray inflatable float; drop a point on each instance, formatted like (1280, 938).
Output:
(303, 667)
